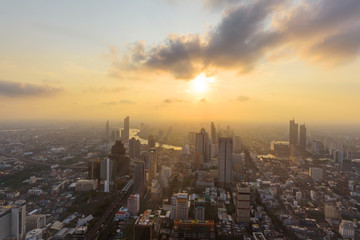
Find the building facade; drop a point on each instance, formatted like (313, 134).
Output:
(225, 165)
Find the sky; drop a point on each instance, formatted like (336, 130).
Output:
(181, 60)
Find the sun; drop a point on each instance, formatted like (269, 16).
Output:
(201, 83)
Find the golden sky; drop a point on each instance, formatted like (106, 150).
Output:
(264, 60)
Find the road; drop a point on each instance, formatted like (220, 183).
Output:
(108, 215)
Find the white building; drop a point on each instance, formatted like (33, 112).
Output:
(35, 222)
(180, 206)
(133, 204)
(13, 220)
(346, 229)
(34, 234)
(85, 185)
(225, 165)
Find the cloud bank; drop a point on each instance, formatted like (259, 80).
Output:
(17, 89)
(324, 31)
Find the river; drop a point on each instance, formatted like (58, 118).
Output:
(134, 133)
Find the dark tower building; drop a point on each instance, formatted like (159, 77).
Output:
(202, 149)
(120, 159)
(125, 134)
(151, 141)
(134, 148)
(302, 141)
(107, 129)
(139, 178)
(293, 136)
(213, 133)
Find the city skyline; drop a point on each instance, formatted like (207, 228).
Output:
(75, 61)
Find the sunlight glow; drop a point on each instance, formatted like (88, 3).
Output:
(201, 83)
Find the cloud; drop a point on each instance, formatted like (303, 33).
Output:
(242, 98)
(104, 89)
(123, 101)
(325, 31)
(218, 4)
(17, 89)
(203, 100)
(175, 100)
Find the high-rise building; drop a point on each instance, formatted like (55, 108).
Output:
(180, 206)
(107, 181)
(302, 141)
(104, 167)
(151, 142)
(133, 204)
(13, 221)
(338, 156)
(139, 178)
(153, 161)
(293, 136)
(225, 165)
(134, 148)
(107, 129)
(242, 203)
(202, 146)
(213, 133)
(126, 131)
(199, 209)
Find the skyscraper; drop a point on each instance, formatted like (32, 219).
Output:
(179, 206)
(213, 133)
(107, 130)
(225, 165)
(302, 141)
(134, 148)
(293, 136)
(126, 131)
(133, 204)
(202, 149)
(242, 203)
(152, 164)
(13, 221)
(139, 178)
(151, 141)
